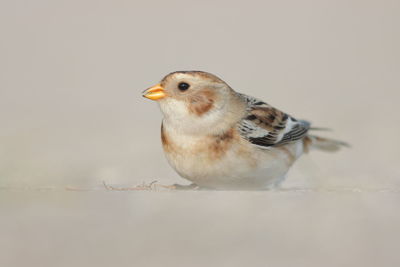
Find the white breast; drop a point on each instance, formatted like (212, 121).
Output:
(235, 165)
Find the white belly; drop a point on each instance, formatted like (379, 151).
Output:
(241, 165)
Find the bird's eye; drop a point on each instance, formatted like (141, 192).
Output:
(183, 86)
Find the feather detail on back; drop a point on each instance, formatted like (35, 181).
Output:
(266, 126)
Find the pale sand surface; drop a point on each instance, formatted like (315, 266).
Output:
(279, 228)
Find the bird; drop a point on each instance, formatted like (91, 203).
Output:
(221, 139)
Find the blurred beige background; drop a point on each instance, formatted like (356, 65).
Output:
(71, 114)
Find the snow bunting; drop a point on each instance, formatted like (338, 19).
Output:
(218, 138)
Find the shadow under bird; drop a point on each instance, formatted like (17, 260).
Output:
(218, 138)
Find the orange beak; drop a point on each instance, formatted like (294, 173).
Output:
(155, 93)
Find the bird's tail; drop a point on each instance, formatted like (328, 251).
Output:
(322, 143)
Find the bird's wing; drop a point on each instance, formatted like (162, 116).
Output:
(266, 126)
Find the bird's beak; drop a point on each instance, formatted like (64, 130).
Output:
(155, 93)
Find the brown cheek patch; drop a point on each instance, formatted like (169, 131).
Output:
(201, 103)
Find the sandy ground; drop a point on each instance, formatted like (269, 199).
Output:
(72, 116)
(281, 228)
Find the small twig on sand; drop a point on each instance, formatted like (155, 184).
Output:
(143, 187)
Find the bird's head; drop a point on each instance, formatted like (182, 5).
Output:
(192, 99)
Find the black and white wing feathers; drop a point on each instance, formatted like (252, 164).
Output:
(267, 126)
